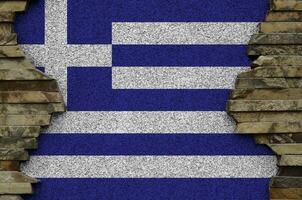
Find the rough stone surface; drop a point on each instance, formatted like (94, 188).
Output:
(276, 39)
(256, 50)
(281, 27)
(286, 5)
(284, 17)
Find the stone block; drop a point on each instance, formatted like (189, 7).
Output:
(281, 27)
(24, 120)
(31, 109)
(240, 117)
(9, 166)
(25, 143)
(19, 131)
(13, 154)
(30, 97)
(273, 72)
(47, 85)
(290, 160)
(286, 193)
(6, 28)
(286, 182)
(7, 16)
(257, 50)
(278, 60)
(16, 188)
(13, 6)
(269, 127)
(268, 83)
(276, 39)
(284, 16)
(11, 52)
(286, 5)
(10, 197)
(267, 94)
(285, 149)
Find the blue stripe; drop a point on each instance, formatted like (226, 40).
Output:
(90, 89)
(30, 25)
(179, 55)
(149, 144)
(89, 21)
(151, 189)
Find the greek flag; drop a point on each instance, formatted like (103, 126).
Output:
(146, 84)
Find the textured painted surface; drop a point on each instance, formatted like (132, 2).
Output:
(81, 37)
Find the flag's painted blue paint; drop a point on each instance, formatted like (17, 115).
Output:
(149, 144)
(90, 89)
(151, 189)
(89, 21)
(30, 25)
(179, 55)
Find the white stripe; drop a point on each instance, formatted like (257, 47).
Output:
(151, 166)
(175, 77)
(182, 33)
(142, 122)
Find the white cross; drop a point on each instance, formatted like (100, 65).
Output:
(56, 55)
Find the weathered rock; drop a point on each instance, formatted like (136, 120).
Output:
(286, 182)
(31, 109)
(15, 177)
(26, 143)
(289, 60)
(284, 17)
(264, 105)
(6, 28)
(273, 72)
(266, 116)
(30, 97)
(267, 94)
(11, 52)
(278, 138)
(24, 120)
(268, 83)
(47, 86)
(10, 197)
(277, 39)
(10, 39)
(269, 127)
(281, 27)
(15, 188)
(13, 6)
(19, 131)
(19, 63)
(286, 5)
(22, 74)
(257, 50)
(7, 16)
(286, 193)
(13, 154)
(290, 160)
(9, 166)
(283, 149)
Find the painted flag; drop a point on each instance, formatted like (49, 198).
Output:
(146, 84)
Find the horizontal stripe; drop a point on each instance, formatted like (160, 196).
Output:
(175, 77)
(89, 22)
(179, 55)
(150, 189)
(149, 144)
(182, 33)
(96, 94)
(151, 166)
(142, 122)
(30, 25)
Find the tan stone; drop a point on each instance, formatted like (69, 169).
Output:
(47, 86)
(278, 138)
(13, 154)
(10, 197)
(7, 63)
(7, 16)
(264, 105)
(266, 116)
(13, 5)
(30, 97)
(24, 120)
(284, 17)
(288, 60)
(31, 109)
(15, 188)
(22, 74)
(26, 143)
(286, 182)
(15, 177)
(286, 193)
(273, 72)
(283, 149)
(277, 39)
(290, 160)
(6, 28)
(19, 131)
(11, 52)
(281, 27)
(286, 5)
(10, 39)
(9, 166)
(267, 94)
(257, 50)
(268, 83)
(269, 127)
